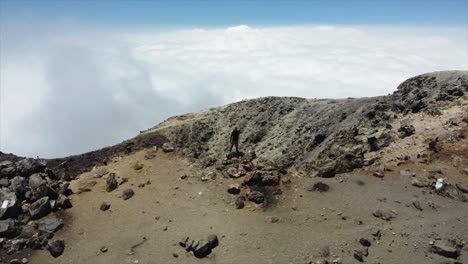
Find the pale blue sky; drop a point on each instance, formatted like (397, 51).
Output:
(257, 12)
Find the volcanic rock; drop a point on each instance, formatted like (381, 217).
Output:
(50, 224)
(40, 208)
(167, 147)
(234, 189)
(9, 228)
(104, 206)
(319, 186)
(127, 194)
(56, 248)
(256, 197)
(111, 182)
(446, 250)
(9, 204)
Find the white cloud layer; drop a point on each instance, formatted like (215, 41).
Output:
(69, 91)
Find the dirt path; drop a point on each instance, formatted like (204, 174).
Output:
(170, 209)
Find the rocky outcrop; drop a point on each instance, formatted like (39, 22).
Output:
(322, 137)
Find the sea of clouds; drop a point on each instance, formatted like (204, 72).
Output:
(68, 90)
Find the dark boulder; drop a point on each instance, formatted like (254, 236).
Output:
(56, 248)
(111, 182)
(35, 181)
(18, 185)
(26, 167)
(40, 208)
(446, 250)
(10, 206)
(9, 228)
(203, 248)
(50, 224)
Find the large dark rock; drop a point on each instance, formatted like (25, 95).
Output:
(26, 167)
(111, 182)
(35, 181)
(18, 185)
(9, 228)
(203, 248)
(40, 208)
(10, 206)
(56, 248)
(50, 224)
(446, 250)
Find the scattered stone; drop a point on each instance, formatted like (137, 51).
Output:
(111, 182)
(256, 197)
(319, 186)
(104, 206)
(167, 147)
(378, 174)
(384, 215)
(274, 219)
(209, 176)
(35, 181)
(376, 232)
(365, 242)
(466, 171)
(40, 208)
(358, 255)
(415, 182)
(103, 249)
(127, 194)
(175, 255)
(406, 131)
(240, 202)
(56, 248)
(123, 180)
(203, 248)
(377, 213)
(138, 166)
(443, 249)
(462, 187)
(150, 156)
(417, 205)
(406, 173)
(234, 189)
